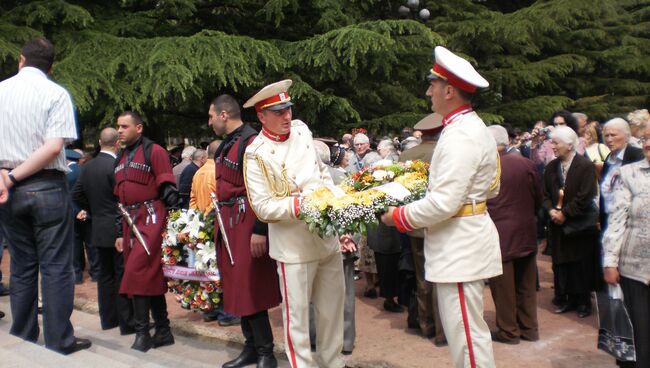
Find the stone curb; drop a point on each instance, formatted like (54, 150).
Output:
(228, 337)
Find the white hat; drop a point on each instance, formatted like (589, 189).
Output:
(272, 97)
(456, 70)
(429, 122)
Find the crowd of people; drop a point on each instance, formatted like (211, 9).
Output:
(572, 189)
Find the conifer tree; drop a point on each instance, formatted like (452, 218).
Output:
(354, 63)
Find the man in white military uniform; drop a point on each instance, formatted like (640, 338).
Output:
(461, 241)
(282, 166)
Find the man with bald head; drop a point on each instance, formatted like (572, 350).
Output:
(93, 193)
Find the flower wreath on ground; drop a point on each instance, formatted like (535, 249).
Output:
(356, 203)
(189, 260)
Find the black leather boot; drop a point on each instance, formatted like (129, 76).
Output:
(263, 339)
(267, 361)
(248, 356)
(163, 335)
(143, 340)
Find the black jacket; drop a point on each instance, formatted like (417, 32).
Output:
(580, 189)
(631, 155)
(93, 192)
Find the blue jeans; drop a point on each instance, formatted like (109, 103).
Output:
(38, 223)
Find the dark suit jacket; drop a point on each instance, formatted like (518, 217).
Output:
(513, 210)
(580, 189)
(631, 155)
(93, 192)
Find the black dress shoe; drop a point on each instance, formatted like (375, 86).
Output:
(2, 314)
(391, 306)
(4, 292)
(267, 361)
(78, 344)
(440, 342)
(346, 352)
(248, 356)
(529, 338)
(564, 308)
(584, 311)
(497, 338)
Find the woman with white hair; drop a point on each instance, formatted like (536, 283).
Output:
(638, 120)
(616, 134)
(626, 243)
(386, 150)
(569, 192)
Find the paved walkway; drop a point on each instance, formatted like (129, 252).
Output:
(382, 338)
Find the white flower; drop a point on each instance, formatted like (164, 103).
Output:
(391, 175)
(206, 256)
(380, 175)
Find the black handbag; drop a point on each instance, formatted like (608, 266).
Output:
(585, 223)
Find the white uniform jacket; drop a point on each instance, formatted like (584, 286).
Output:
(463, 168)
(290, 241)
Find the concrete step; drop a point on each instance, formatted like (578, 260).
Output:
(110, 349)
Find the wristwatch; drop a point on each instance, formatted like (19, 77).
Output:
(12, 178)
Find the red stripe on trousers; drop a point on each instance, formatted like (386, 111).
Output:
(468, 337)
(286, 306)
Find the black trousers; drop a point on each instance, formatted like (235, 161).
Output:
(388, 273)
(636, 296)
(114, 309)
(257, 332)
(83, 248)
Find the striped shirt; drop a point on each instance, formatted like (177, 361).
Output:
(33, 109)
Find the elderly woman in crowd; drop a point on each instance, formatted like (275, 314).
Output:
(387, 151)
(569, 197)
(638, 120)
(565, 118)
(627, 243)
(616, 133)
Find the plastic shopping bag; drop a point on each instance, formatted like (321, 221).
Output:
(615, 332)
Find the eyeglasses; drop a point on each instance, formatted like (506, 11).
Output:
(360, 144)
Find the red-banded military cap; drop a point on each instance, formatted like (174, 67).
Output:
(456, 71)
(272, 97)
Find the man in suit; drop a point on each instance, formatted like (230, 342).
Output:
(93, 193)
(513, 212)
(199, 157)
(427, 299)
(82, 228)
